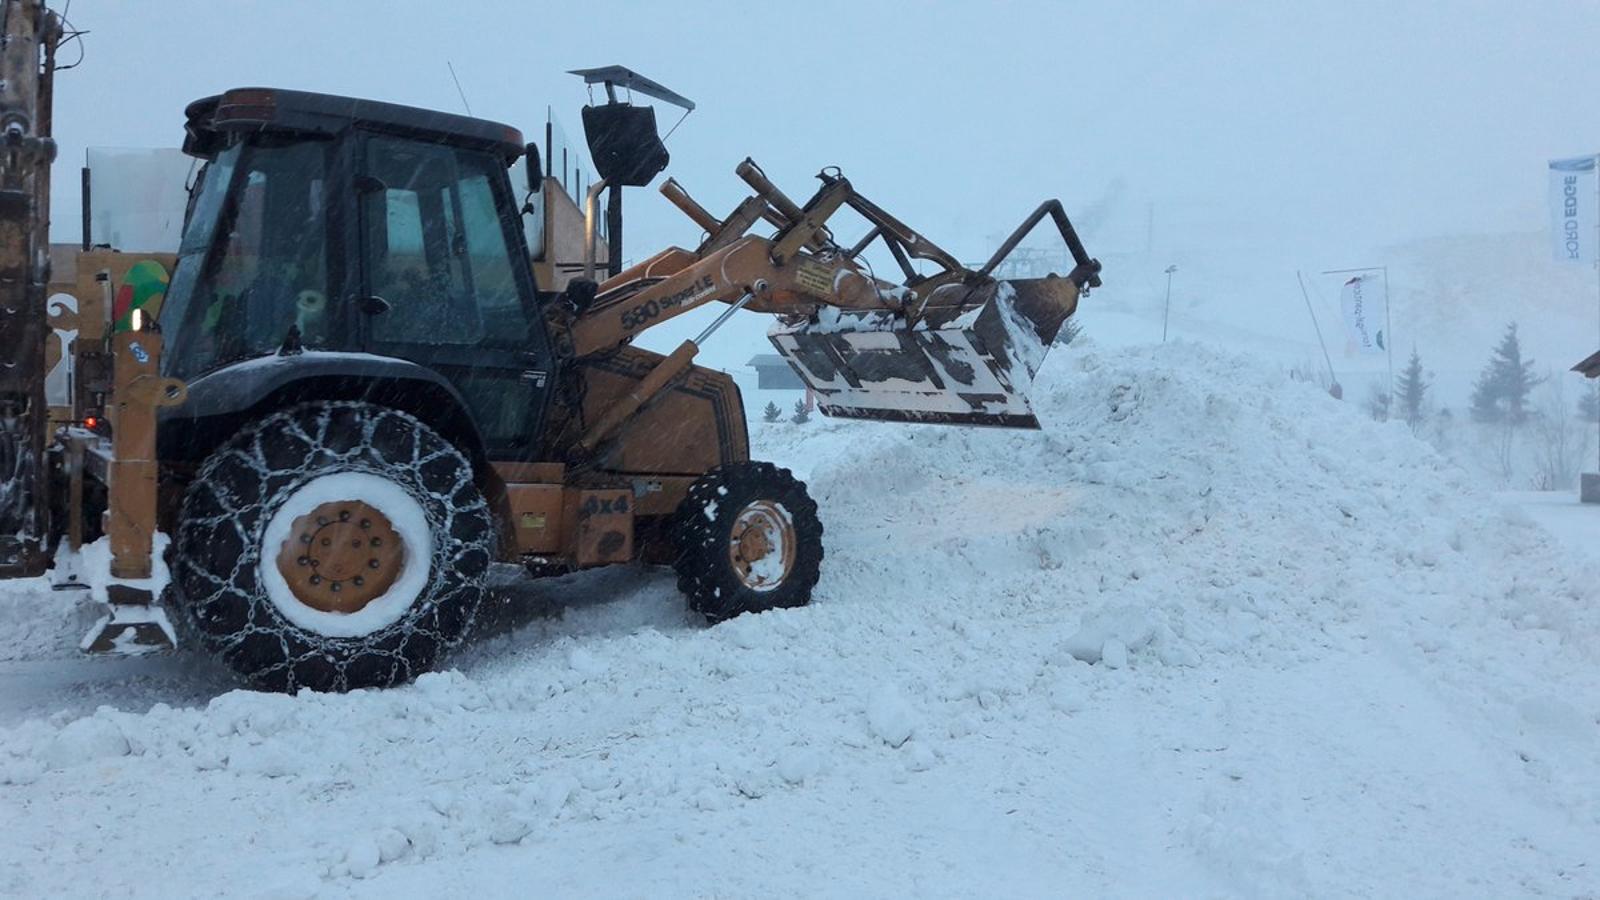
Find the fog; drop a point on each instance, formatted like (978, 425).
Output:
(1313, 134)
(556, 625)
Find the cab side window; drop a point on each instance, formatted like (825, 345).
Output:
(267, 273)
(489, 256)
(436, 250)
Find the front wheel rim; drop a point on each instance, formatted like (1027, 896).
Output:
(341, 556)
(333, 508)
(762, 545)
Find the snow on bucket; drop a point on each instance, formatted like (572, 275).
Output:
(968, 358)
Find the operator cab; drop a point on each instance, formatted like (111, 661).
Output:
(323, 225)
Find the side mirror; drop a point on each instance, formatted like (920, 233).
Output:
(534, 168)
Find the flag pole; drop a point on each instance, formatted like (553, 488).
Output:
(1324, 344)
(1388, 336)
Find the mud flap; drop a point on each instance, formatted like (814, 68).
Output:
(967, 364)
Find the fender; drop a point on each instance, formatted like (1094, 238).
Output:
(221, 402)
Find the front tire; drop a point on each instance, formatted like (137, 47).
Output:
(747, 539)
(332, 546)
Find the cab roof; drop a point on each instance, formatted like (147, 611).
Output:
(255, 109)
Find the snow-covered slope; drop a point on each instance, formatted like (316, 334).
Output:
(1208, 633)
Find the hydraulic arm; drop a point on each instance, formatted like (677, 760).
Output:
(954, 346)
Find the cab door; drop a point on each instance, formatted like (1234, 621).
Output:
(444, 286)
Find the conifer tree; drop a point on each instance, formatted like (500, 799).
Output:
(1589, 403)
(1501, 392)
(1412, 389)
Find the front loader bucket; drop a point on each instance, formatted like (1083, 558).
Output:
(971, 362)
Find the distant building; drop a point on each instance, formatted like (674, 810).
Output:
(774, 374)
(1589, 367)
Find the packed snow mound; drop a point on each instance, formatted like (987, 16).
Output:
(1184, 502)
(1209, 631)
(37, 623)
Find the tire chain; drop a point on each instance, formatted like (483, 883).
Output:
(240, 487)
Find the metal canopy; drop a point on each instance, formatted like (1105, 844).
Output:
(622, 76)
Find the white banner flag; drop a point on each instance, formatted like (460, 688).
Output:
(1574, 209)
(1363, 323)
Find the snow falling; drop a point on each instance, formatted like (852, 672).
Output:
(1208, 632)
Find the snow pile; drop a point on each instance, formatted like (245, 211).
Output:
(94, 564)
(37, 623)
(1208, 632)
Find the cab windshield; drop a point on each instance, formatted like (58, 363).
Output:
(253, 262)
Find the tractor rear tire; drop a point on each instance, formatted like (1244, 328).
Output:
(747, 539)
(263, 564)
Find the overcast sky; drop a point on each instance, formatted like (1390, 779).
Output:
(1365, 122)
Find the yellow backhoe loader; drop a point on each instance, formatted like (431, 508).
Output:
(353, 389)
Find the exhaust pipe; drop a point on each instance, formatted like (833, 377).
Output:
(591, 225)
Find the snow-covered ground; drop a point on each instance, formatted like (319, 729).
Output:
(1209, 633)
(1575, 524)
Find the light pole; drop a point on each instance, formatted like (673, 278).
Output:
(1166, 312)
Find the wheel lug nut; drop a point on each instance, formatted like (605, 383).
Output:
(305, 538)
(322, 520)
(344, 515)
(359, 581)
(327, 542)
(372, 564)
(377, 542)
(366, 523)
(334, 587)
(316, 579)
(304, 560)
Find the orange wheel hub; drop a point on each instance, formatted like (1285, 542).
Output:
(341, 556)
(762, 546)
